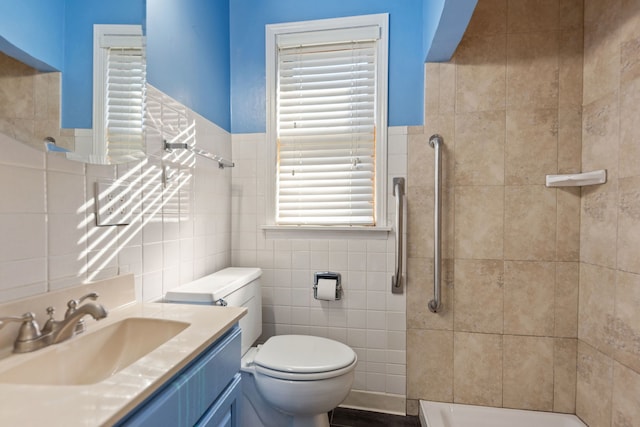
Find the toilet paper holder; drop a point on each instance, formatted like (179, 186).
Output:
(329, 275)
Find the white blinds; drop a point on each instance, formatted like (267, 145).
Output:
(125, 102)
(326, 134)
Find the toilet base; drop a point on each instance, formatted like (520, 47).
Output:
(321, 420)
(256, 413)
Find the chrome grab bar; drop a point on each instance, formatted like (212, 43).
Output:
(398, 192)
(436, 143)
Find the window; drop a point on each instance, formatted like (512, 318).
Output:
(119, 91)
(327, 98)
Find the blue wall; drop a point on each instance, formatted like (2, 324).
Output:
(188, 54)
(248, 20)
(77, 78)
(210, 54)
(32, 32)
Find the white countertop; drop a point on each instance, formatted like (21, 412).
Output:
(106, 402)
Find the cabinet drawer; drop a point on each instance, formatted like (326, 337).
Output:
(184, 399)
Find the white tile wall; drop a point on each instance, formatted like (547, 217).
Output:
(369, 318)
(180, 232)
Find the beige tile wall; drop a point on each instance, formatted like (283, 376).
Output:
(30, 104)
(509, 107)
(608, 382)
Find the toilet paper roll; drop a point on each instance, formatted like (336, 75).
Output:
(327, 289)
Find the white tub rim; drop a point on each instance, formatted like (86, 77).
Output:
(431, 412)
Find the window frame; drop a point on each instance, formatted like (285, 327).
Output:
(305, 28)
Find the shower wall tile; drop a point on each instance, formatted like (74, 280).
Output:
(630, 50)
(627, 320)
(571, 15)
(481, 74)
(479, 296)
(628, 224)
(531, 150)
(532, 16)
(566, 299)
(30, 104)
(530, 223)
(432, 85)
(601, 47)
(477, 369)
(570, 139)
(420, 240)
(629, 131)
(600, 136)
(532, 87)
(594, 386)
(598, 226)
(420, 170)
(596, 307)
(480, 145)
(626, 389)
(529, 289)
(479, 222)
(565, 353)
(528, 372)
(568, 226)
(447, 89)
(570, 63)
(431, 364)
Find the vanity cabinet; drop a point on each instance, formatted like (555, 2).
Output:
(206, 393)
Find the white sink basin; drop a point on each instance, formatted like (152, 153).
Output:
(94, 356)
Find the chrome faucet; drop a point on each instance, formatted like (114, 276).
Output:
(31, 338)
(73, 304)
(67, 328)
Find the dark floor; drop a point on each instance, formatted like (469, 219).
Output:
(343, 417)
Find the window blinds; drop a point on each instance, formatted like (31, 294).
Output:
(326, 134)
(125, 102)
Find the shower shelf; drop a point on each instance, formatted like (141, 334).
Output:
(577, 179)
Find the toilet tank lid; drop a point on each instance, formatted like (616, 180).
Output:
(211, 288)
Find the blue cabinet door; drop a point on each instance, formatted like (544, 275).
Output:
(225, 412)
(196, 390)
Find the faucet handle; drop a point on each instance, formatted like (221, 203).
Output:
(51, 324)
(27, 317)
(28, 332)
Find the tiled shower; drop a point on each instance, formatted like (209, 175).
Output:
(541, 285)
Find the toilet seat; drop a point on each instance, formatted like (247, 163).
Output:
(303, 358)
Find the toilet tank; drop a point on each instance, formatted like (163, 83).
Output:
(235, 286)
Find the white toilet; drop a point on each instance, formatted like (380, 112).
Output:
(290, 380)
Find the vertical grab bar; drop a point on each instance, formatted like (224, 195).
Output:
(436, 143)
(398, 192)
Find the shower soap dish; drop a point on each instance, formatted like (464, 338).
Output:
(577, 179)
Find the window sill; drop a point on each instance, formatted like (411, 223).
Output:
(327, 232)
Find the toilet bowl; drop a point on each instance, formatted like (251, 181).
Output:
(290, 380)
(301, 376)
